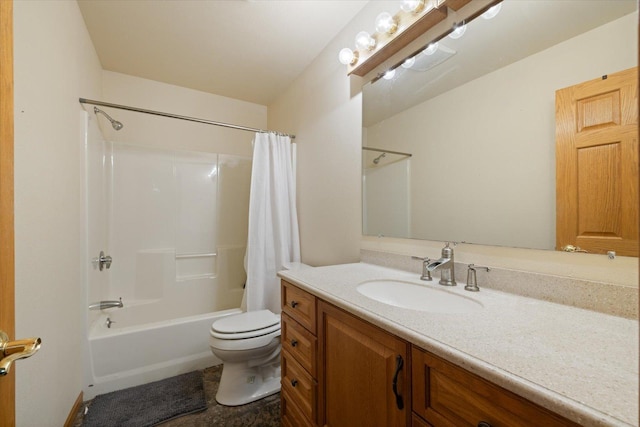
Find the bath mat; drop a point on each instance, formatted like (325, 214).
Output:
(148, 404)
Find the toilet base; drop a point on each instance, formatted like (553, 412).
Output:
(241, 384)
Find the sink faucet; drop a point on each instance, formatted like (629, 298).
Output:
(446, 267)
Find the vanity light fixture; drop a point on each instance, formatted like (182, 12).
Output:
(385, 23)
(398, 34)
(347, 56)
(431, 49)
(408, 63)
(458, 31)
(364, 41)
(492, 11)
(412, 6)
(389, 74)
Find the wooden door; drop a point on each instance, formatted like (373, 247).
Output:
(359, 365)
(597, 164)
(7, 269)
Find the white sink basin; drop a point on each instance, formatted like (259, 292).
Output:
(417, 297)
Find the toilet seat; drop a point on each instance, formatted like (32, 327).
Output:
(247, 325)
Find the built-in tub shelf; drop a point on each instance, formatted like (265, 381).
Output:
(196, 266)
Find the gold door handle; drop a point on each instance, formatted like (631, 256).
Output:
(571, 248)
(10, 351)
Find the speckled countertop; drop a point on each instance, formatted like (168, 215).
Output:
(575, 362)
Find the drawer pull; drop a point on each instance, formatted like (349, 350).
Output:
(484, 424)
(394, 383)
(294, 304)
(294, 383)
(294, 343)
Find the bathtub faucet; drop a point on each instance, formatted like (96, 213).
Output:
(101, 305)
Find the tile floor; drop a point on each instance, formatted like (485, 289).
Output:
(263, 413)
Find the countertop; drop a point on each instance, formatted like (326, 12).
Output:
(578, 363)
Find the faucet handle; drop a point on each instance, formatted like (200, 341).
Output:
(426, 274)
(472, 281)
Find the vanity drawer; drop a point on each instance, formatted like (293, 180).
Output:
(291, 414)
(446, 395)
(299, 386)
(300, 343)
(300, 305)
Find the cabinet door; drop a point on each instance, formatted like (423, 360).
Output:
(365, 373)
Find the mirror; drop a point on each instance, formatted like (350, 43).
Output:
(461, 145)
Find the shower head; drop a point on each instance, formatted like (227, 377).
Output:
(377, 159)
(116, 124)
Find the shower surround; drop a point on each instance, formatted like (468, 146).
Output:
(175, 224)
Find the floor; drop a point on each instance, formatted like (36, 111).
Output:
(263, 413)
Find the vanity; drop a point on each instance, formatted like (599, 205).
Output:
(350, 359)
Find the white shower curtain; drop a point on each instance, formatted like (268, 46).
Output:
(273, 220)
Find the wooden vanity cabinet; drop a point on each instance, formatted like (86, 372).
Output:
(339, 371)
(448, 396)
(298, 358)
(359, 365)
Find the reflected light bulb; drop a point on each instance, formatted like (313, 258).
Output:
(492, 11)
(389, 74)
(408, 63)
(414, 6)
(364, 41)
(431, 49)
(386, 24)
(458, 31)
(347, 56)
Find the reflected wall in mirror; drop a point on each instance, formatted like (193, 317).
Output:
(478, 118)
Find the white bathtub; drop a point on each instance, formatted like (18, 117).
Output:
(125, 356)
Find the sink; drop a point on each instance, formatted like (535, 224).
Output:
(417, 297)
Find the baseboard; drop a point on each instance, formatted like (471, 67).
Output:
(74, 410)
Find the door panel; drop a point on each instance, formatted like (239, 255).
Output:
(597, 164)
(7, 269)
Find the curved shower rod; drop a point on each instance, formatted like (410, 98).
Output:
(176, 116)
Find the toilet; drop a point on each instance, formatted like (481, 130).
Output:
(249, 346)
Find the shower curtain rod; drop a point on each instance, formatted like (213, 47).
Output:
(379, 150)
(175, 116)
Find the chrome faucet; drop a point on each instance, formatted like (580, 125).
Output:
(426, 274)
(101, 305)
(446, 267)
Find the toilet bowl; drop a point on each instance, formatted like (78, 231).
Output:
(249, 346)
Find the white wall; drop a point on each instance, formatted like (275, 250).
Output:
(323, 107)
(160, 132)
(55, 64)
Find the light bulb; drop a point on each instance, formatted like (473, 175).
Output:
(408, 63)
(347, 56)
(412, 6)
(364, 41)
(389, 74)
(492, 11)
(431, 49)
(385, 23)
(458, 31)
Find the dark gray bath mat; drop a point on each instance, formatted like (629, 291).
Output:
(148, 404)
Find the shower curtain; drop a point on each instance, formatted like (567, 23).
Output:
(273, 220)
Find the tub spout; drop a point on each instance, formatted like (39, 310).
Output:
(101, 305)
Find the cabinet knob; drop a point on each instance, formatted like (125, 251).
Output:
(294, 383)
(294, 343)
(484, 424)
(294, 304)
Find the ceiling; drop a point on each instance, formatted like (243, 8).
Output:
(245, 49)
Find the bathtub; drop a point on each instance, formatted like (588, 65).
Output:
(129, 353)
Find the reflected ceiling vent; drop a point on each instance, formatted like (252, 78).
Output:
(432, 56)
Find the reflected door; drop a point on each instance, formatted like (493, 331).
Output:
(597, 164)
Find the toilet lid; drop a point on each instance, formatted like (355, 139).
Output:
(246, 322)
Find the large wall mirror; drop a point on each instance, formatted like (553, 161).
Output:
(459, 144)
